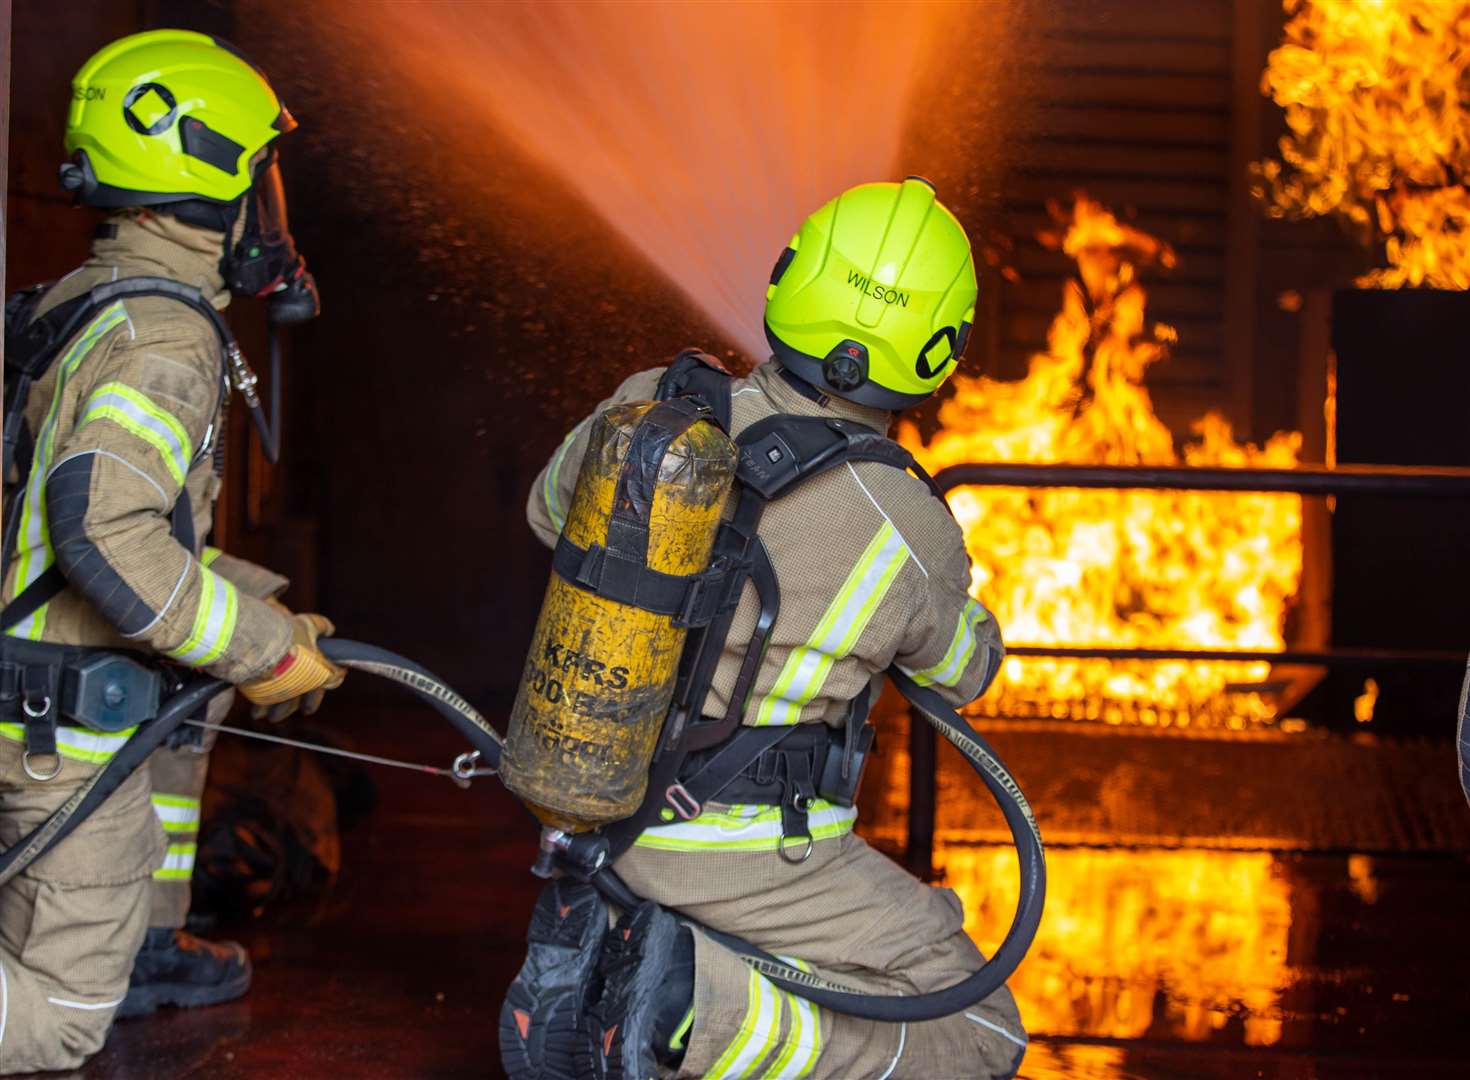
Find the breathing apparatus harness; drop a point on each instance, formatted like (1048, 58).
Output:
(107, 689)
(699, 759)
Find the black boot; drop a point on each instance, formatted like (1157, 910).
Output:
(176, 968)
(543, 1018)
(641, 1022)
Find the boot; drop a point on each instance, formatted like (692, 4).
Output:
(639, 1026)
(176, 968)
(542, 1020)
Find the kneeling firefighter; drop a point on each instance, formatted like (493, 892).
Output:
(848, 566)
(117, 383)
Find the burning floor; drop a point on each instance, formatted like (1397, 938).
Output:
(1243, 951)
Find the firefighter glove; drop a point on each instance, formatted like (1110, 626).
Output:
(301, 678)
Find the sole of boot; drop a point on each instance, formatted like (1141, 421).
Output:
(146, 1000)
(541, 1019)
(635, 963)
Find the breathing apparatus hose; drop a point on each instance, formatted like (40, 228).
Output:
(477, 730)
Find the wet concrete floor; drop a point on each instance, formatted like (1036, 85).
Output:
(1156, 961)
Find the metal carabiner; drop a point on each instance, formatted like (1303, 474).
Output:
(806, 851)
(35, 713)
(465, 769)
(40, 778)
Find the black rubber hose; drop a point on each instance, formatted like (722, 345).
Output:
(434, 691)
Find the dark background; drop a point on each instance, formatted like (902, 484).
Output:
(475, 307)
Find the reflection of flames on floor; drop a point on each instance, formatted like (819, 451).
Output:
(1159, 944)
(1111, 568)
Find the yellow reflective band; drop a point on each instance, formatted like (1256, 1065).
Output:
(135, 413)
(178, 863)
(844, 621)
(757, 1035)
(176, 813)
(746, 828)
(78, 744)
(961, 648)
(804, 1039)
(33, 538)
(549, 489)
(214, 622)
(210, 554)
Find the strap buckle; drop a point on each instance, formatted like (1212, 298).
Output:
(714, 592)
(683, 803)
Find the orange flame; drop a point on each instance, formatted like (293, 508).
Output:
(1171, 944)
(1114, 568)
(1379, 131)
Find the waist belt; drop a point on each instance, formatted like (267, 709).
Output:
(790, 767)
(43, 685)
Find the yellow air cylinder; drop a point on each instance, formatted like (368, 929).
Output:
(600, 675)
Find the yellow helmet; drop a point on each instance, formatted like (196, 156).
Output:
(167, 116)
(873, 299)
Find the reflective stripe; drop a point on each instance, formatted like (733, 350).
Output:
(178, 864)
(177, 813)
(745, 828)
(1019, 1040)
(837, 633)
(804, 1039)
(757, 1034)
(136, 413)
(209, 555)
(33, 545)
(961, 648)
(84, 1005)
(4, 1003)
(78, 744)
(214, 622)
(549, 489)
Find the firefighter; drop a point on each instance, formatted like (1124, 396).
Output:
(866, 315)
(115, 474)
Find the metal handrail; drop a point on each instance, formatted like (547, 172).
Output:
(1395, 480)
(1398, 481)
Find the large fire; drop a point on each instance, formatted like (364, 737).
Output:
(1379, 130)
(1153, 943)
(1117, 568)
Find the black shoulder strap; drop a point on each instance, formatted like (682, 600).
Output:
(782, 451)
(31, 346)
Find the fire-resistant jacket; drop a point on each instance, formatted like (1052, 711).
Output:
(872, 569)
(127, 418)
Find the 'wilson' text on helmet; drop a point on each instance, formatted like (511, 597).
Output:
(877, 291)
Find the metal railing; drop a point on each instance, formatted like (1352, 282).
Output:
(1395, 481)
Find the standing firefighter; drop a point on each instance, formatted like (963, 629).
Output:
(117, 379)
(867, 314)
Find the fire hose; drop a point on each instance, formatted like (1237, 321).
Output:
(584, 863)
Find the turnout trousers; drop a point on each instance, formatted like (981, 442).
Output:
(178, 778)
(71, 923)
(848, 913)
